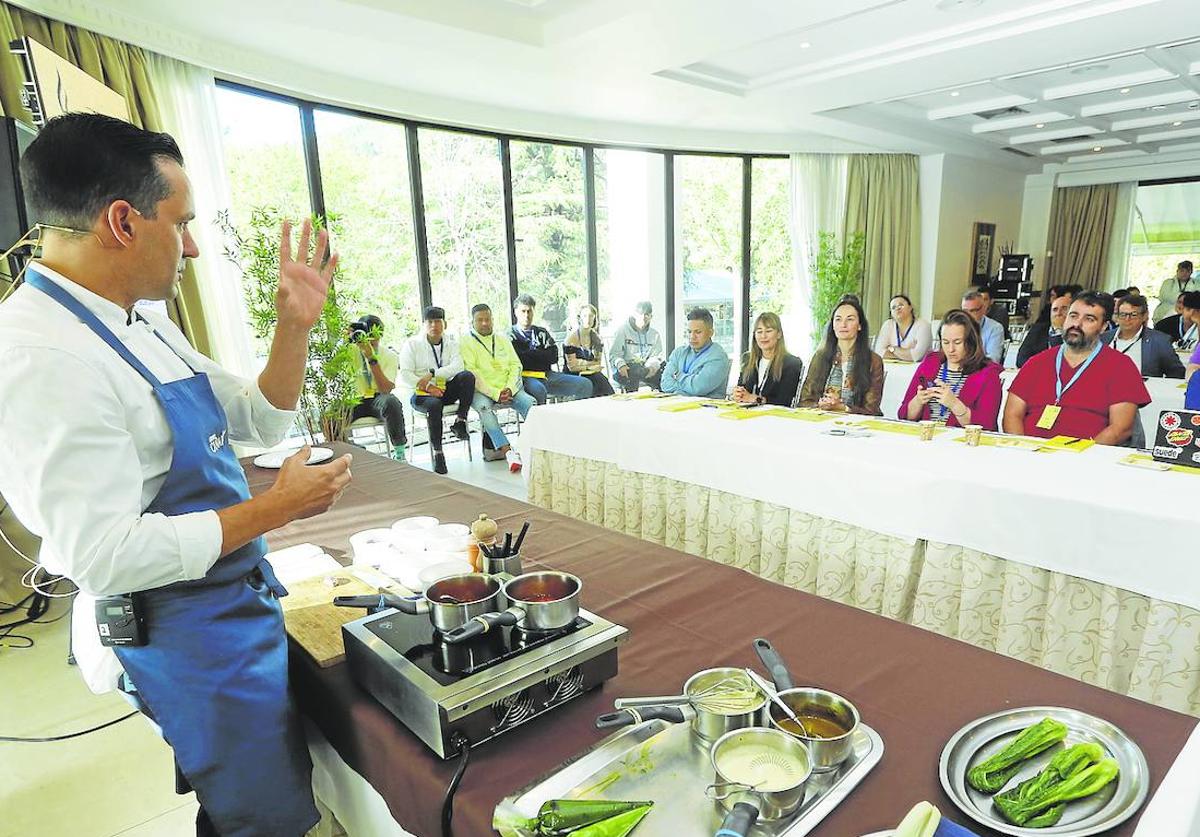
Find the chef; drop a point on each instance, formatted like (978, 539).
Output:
(115, 449)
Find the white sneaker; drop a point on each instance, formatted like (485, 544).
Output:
(514, 461)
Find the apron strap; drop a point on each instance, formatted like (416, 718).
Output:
(55, 291)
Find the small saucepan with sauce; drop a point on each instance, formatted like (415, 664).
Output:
(827, 721)
(540, 601)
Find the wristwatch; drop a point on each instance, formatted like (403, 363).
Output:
(374, 361)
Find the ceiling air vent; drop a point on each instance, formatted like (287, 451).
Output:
(992, 114)
(1072, 138)
(1016, 151)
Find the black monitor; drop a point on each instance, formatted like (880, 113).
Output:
(15, 217)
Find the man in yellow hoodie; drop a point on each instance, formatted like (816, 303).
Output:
(497, 369)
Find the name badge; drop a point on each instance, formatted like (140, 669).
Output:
(1049, 416)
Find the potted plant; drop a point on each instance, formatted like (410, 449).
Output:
(835, 274)
(328, 393)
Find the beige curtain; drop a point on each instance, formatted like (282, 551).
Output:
(1081, 226)
(882, 204)
(124, 69)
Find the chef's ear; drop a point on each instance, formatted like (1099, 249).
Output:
(120, 221)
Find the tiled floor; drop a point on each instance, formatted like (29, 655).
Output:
(117, 782)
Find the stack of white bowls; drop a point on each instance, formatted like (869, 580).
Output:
(423, 550)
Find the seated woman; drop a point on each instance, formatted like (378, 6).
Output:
(769, 374)
(583, 351)
(905, 336)
(845, 374)
(958, 385)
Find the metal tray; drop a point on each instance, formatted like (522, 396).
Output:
(665, 763)
(984, 737)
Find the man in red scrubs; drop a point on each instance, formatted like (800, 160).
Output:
(1082, 388)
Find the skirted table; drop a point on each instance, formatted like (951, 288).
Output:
(1068, 560)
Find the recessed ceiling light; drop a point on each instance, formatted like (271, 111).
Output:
(1097, 148)
(805, 45)
(1040, 125)
(953, 92)
(1176, 123)
(1157, 107)
(1124, 89)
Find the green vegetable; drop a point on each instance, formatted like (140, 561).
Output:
(993, 774)
(563, 816)
(1065, 764)
(617, 826)
(1080, 784)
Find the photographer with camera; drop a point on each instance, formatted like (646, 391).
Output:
(376, 380)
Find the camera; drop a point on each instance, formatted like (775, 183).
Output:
(358, 332)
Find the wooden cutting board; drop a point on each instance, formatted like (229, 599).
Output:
(315, 623)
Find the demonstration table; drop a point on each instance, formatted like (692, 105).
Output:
(1068, 560)
(683, 614)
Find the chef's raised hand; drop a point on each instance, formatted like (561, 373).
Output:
(309, 490)
(303, 280)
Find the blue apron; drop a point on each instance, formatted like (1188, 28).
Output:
(213, 674)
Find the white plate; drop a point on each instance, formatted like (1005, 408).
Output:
(275, 458)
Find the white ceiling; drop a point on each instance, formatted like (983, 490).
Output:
(748, 75)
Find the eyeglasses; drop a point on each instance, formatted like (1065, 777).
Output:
(1129, 315)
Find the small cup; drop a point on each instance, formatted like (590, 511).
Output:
(927, 428)
(974, 432)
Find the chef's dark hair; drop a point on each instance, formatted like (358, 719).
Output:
(79, 163)
(1097, 299)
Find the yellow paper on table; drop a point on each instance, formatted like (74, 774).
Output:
(907, 428)
(1146, 461)
(1067, 443)
(529, 373)
(995, 440)
(719, 403)
(801, 414)
(679, 408)
(738, 415)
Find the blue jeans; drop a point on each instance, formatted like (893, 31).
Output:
(558, 384)
(486, 408)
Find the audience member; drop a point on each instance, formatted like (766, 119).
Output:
(637, 351)
(432, 374)
(1083, 388)
(701, 367)
(1151, 351)
(905, 336)
(1174, 326)
(1171, 288)
(997, 311)
(497, 370)
(538, 352)
(991, 332)
(845, 374)
(584, 351)
(1046, 333)
(959, 385)
(1191, 315)
(770, 375)
(375, 381)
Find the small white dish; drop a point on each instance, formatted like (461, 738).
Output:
(276, 458)
(440, 570)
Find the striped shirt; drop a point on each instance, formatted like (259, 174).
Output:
(952, 379)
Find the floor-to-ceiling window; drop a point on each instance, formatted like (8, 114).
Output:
(708, 244)
(364, 175)
(464, 223)
(551, 238)
(1166, 231)
(630, 235)
(772, 285)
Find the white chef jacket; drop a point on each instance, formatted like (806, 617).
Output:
(85, 448)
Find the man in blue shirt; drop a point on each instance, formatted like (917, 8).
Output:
(701, 367)
(991, 332)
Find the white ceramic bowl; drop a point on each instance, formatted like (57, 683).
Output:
(440, 570)
(371, 546)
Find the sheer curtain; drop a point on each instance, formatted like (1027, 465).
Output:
(818, 204)
(1117, 261)
(187, 100)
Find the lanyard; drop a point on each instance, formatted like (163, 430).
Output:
(760, 380)
(643, 344)
(1061, 390)
(366, 370)
(1132, 343)
(900, 340)
(687, 367)
(481, 343)
(944, 375)
(437, 356)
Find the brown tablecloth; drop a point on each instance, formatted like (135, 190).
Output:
(684, 614)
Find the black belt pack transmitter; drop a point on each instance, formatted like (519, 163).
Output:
(119, 621)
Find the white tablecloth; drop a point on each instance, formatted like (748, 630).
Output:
(1167, 394)
(1080, 514)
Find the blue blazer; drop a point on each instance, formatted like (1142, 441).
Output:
(1159, 359)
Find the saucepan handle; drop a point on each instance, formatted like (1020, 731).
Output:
(482, 624)
(626, 717)
(377, 602)
(774, 663)
(739, 821)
